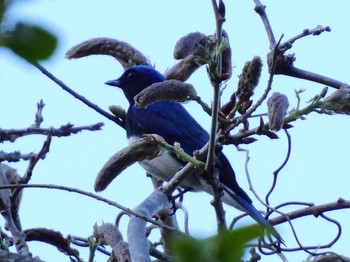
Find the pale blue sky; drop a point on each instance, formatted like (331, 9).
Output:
(317, 170)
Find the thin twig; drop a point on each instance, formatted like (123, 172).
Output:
(219, 12)
(29, 172)
(41, 155)
(15, 156)
(39, 114)
(316, 211)
(246, 151)
(93, 106)
(91, 195)
(306, 32)
(276, 172)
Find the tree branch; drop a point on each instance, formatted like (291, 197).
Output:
(64, 130)
(88, 194)
(260, 9)
(93, 106)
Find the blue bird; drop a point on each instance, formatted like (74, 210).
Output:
(171, 121)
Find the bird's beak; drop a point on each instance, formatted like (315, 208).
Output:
(113, 83)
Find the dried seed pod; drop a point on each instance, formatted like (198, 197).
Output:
(126, 54)
(183, 69)
(192, 43)
(146, 147)
(167, 90)
(277, 108)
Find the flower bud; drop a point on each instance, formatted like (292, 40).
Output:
(338, 101)
(277, 108)
(249, 79)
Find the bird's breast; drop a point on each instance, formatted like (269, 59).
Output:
(164, 166)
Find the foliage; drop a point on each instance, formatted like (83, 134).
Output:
(227, 246)
(31, 42)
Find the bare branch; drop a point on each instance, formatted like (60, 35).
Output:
(286, 67)
(93, 106)
(39, 116)
(15, 156)
(138, 242)
(88, 194)
(33, 161)
(260, 9)
(284, 64)
(214, 70)
(29, 172)
(312, 210)
(65, 130)
(306, 32)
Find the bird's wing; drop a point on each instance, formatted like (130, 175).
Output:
(171, 121)
(230, 180)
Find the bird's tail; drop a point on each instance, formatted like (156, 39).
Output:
(255, 214)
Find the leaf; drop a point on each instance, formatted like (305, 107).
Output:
(189, 249)
(222, 46)
(2, 9)
(30, 42)
(226, 247)
(229, 246)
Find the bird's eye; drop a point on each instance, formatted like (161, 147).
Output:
(130, 76)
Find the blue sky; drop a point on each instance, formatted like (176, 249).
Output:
(317, 170)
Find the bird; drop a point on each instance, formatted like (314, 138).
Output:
(175, 124)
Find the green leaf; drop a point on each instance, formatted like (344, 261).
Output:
(226, 247)
(201, 61)
(222, 46)
(30, 42)
(230, 245)
(189, 249)
(2, 9)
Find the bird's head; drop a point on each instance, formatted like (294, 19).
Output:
(135, 79)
